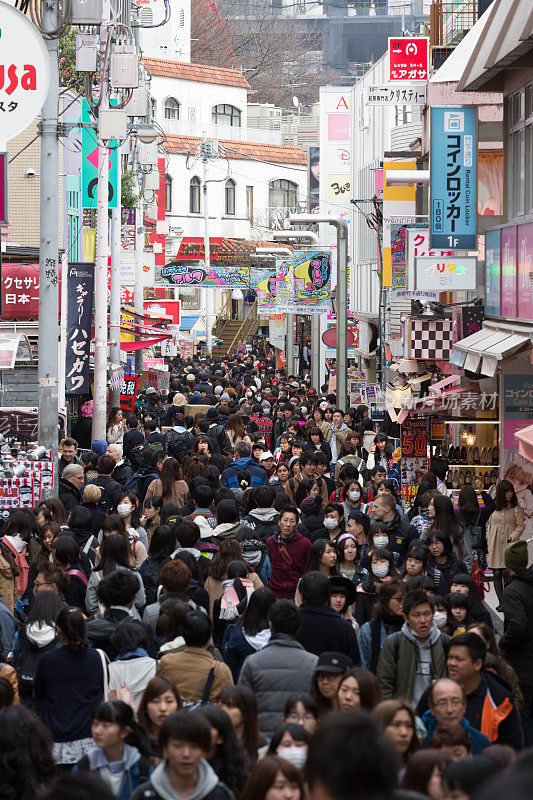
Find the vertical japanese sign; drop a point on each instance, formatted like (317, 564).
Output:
(414, 456)
(399, 210)
(128, 393)
(89, 165)
(453, 178)
(80, 306)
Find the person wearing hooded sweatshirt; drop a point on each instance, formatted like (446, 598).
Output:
(243, 460)
(228, 524)
(36, 638)
(132, 667)
(411, 659)
(250, 633)
(264, 518)
(176, 777)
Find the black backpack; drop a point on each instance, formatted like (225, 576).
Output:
(27, 666)
(177, 444)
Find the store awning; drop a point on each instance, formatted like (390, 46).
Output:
(525, 442)
(187, 323)
(482, 351)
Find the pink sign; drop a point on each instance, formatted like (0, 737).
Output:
(3, 188)
(525, 267)
(508, 256)
(338, 127)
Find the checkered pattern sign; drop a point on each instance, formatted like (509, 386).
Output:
(431, 339)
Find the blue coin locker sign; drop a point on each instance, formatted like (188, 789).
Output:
(453, 178)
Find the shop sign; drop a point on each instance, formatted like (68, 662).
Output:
(408, 58)
(153, 363)
(389, 95)
(24, 72)
(192, 248)
(418, 246)
(4, 205)
(80, 285)
(517, 408)
(492, 272)
(156, 309)
(128, 393)
(437, 428)
(414, 461)
(186, 349)
(445, 274)
(89, 165)
(303, 283)
(20, 291)
(453, 178)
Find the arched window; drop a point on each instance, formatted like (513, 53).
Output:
(194, 196)
(230, 197)
(172, 108)
(168, 193)
(226, 115)
(147, 16)
(282, 193)
(182, 18)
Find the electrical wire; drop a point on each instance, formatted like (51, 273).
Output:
(168, 13)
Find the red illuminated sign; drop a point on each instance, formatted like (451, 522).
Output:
(408, 58)
(192, 248)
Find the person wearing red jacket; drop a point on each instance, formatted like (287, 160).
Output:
(289, 552)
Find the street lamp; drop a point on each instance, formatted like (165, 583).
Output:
(283, 251)
(342, 294)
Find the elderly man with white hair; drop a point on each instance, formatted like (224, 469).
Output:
(122, 472)
(70, 486)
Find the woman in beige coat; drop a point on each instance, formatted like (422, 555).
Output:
(506, 524)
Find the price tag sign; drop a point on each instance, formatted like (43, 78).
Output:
(414, 456)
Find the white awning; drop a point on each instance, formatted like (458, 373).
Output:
(482, 351)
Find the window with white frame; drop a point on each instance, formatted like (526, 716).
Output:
(224, 114)
(230, 197)
(172, 108)
(194, 195)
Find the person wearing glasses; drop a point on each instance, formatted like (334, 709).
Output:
(447, 707)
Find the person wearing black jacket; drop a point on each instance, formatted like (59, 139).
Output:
(517, 640)
(401, 532)
(112, 489)
(263, 518)
(490, 706)
(323, 629)
(133, 441)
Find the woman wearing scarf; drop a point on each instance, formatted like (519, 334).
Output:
(14, 567)
(237, 589)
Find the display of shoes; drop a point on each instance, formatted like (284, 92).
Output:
(477, 459)
(495, 455)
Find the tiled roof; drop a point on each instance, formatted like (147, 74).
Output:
(242, 151)
(201, 73)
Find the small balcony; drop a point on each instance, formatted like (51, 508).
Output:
(178, 127)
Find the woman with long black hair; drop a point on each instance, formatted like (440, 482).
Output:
(112, 555)
(506, 524)
(240, 704)
(444, 518)
(226, 755)
(69, 683)
(170, 487)
(250, 633)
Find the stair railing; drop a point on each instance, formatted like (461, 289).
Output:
(245, 328)
(223, 316)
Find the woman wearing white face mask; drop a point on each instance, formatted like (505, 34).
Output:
(127, 509)
(334, 521)
(291, 742)
(353, 497)
(381, 569)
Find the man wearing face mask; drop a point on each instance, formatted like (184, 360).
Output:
(401, 532)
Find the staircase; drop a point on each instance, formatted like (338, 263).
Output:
(233, 331)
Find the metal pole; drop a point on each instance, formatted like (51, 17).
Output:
(207, 257)
(315, 350)
(100, 275)
(114, 306)
(342, 312)
(138, 294)
(48, 254)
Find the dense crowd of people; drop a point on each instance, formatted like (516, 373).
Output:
(229, 599)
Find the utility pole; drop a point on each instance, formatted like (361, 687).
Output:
(48, 366)
(342, 295)
(207, 254)
(100, 268)
(114, 305)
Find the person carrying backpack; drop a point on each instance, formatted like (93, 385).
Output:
(147, 472)
(31, 642)
(177, 439)
(475, 519)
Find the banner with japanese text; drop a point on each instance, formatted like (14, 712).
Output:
(217, 276)
(264, 283)
(80, 286)
(303, 283)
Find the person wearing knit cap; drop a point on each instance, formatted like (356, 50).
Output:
(517, 641)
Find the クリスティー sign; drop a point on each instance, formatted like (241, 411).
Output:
(24, 72)
(445, 274)
(453, 178)
(408, 58)
(393, 95)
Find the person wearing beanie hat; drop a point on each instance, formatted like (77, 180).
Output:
(516, 644)
(311, 523)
